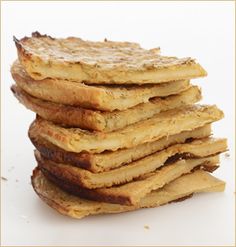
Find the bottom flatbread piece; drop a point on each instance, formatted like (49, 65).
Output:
(73, 206)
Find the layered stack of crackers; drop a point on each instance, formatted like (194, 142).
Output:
(117, 126)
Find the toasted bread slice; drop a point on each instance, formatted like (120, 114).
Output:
(109, 160)
(100, 62)
(76, 207)
(71, 116)
(124, 174)
(163, 124)
(99, 97)
(131, 193)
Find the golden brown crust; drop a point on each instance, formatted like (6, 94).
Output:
(72, 116)
(110, 160)
(132, 192)
(76, 207)
(78, 176)
(100, 97)
(163, 124)
(100, 62)
(64, 91)
(64, 115)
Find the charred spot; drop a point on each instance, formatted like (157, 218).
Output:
(37, 34)
(15, 39)
(20, 48)
(17, 43)
(13, 89)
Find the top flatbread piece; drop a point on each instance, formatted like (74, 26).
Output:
(100, 62)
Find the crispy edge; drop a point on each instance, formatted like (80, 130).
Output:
(69, 93)
(64, 115)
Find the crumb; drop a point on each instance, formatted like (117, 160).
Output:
(227, 155)
(17, 180)
(3, 178)
(146, 227)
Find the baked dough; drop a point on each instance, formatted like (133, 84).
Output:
(76, 207)
(98, 97)
(74, 116)
(163, 124)
(131, 193)
(84, 178)
(100, 62)
(109, 160)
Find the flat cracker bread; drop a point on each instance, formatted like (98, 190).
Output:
(100, 62)
(84, 178)
(98, 97)
(109, 160)
(76, 207)
(71, 116)
(131, 193)
(163, 124)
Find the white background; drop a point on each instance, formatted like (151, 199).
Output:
(202, 30)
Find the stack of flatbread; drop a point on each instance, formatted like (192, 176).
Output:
(117, 127)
